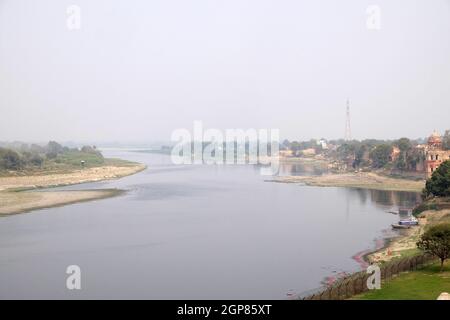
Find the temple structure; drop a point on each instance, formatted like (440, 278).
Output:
(434, 154)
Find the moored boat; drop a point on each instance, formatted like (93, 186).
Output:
(400, 226)
(412, 221)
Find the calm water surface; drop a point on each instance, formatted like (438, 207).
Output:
(193, 232)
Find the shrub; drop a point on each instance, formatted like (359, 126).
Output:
(10, 160)
(439, 183)
(436, 241)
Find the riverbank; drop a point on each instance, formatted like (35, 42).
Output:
(428, 282)
(408, 275)
(304, 160)
(365, 180)
(405, 244)
(425, 282)
(18, 192)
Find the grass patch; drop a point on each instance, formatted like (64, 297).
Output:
(427, 283)
(69, 163)
(74, 158)
(408, 253)
(119, 162)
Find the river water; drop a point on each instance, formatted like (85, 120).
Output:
(194, 232)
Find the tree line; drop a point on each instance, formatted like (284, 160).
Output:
(28, 156)
(369, 152)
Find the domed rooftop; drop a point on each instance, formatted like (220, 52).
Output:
(435, 139)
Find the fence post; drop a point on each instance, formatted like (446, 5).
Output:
(326, 295)
(350, 287)
(357, 282)
(334, 293)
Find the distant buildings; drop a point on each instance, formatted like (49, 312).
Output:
(402, 156)
(395, 153)
(309, 152)
(433, 154)
(323, 143)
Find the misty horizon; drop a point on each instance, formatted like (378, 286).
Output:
(225, 154)
(137, 72)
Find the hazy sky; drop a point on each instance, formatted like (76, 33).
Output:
(137, 70)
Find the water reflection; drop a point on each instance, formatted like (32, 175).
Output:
(302, 169)
(388, 199)
(381, 198)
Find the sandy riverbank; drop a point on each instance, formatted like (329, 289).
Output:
(19, 202)
(405, 243)
(366, 180)
(13, 201)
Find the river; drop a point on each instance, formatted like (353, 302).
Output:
(193, 232)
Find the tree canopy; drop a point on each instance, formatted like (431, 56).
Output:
(436, 241)
(439, 183)
(381, 155)
(23, 156)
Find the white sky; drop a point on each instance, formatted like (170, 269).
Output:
(137, 70)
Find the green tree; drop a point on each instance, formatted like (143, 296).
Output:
(346, 150)
(436, 241)
(380, 155)
(405, 146)
(439, 183)
(286, 144)
(359, 155)
(10, 160)
(36, 160)
(295, 146)
(54, 148)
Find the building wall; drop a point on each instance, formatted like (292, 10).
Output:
(434, 158)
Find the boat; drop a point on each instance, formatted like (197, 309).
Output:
(412, 221)
(401, 226)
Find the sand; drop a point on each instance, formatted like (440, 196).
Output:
(19, 202)
(366, 180)
(409, 237)
(68, 178)
(13, 201)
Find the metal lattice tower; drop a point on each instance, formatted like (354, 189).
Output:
(348, 130)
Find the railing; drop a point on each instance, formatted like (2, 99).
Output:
(356, 283)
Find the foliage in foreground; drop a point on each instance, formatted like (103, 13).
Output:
(439, 183)
(436, 240)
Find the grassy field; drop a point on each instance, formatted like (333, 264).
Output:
(68, 163)
(72, 160)
(426, 283)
